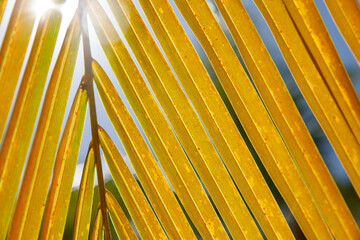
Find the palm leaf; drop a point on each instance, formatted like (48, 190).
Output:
(85, 198)
(195, 174)
(13, 51)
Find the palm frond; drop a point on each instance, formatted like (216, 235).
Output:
(208, 153)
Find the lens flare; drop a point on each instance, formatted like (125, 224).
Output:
(41, 6)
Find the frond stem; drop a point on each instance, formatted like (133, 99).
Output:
(88, 78)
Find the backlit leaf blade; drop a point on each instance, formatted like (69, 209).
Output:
(313, 88)
(18, 135)
(121, 224)
(150, 175)
(347, 18)
(134, 199)
(30, 206)
(2, 8)
(12, 54)
(85, 199)
(97, 232)
(288, 120)
(186, 124)
(311, 27)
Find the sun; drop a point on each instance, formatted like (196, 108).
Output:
(41, 6)
(67, 8)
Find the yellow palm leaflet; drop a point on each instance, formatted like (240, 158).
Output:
(18, 135)
(315, 91)
(2, 8)
(12, 54)
(134, 199)
(120, 222)
(346, 15)
(85, 199)
(97, 232)
(288, 120)
(30, 205)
